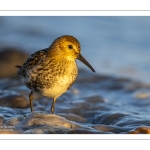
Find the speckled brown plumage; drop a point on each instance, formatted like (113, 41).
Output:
(53, 70)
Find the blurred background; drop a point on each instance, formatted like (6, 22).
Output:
(117, 46)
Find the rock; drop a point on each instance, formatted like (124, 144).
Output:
(1, 120)
(73, 117)
(85, 131)
(10, 132)
(136, 86)
(95, 99)
(141, 130)
(9, 98)
(14, 121)
(45, 129)
(35, 119)
(110, 128)
(38, 123)
(142, 94)
(9, 58)
(85, 76)
(8, 128)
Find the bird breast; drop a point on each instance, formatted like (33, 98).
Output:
(61, 83)
(52, 80)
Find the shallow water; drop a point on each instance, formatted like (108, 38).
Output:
(107, 105)
(115, 99)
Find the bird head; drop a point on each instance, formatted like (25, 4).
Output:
(69, 47)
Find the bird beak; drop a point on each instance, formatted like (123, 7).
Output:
(82, 59)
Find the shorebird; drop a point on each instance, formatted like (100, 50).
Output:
(52, 71)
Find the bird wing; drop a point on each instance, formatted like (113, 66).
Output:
(32, 61)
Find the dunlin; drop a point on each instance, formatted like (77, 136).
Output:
(51, 71)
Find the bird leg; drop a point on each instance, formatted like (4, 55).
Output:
(53, 106)
(31, 98)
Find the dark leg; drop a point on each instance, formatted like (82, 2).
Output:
(53, 106)
(31, 98)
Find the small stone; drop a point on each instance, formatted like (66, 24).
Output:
(9, 58)
(9, 98)
(95, 99)
(1, 120)
(14, 121)
(141, 95)
(141, 130)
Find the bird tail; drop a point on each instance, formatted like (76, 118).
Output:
(18, 66)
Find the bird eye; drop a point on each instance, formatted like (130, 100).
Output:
(70, 47)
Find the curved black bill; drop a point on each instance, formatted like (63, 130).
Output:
(82, 59)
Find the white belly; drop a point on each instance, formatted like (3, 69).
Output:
(58, 89)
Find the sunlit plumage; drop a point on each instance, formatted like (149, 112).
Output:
(53, 70)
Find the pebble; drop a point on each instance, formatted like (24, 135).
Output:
(9, 58)
(9, 98)
(141, 130)
(141, 94)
